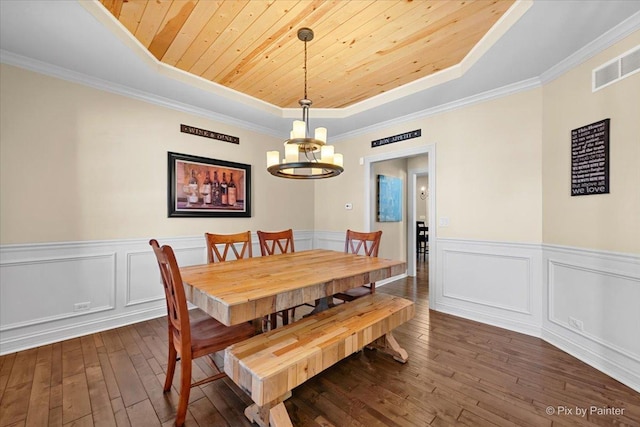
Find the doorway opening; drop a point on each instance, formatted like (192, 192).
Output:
(410, 216)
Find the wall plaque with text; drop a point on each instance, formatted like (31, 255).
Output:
(209, 134)
(395, 138)
(590, 159)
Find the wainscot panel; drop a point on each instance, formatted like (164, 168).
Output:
(492, 282)
(592, 309)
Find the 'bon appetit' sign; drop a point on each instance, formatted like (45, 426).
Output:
(396, 138)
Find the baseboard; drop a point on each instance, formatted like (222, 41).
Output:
(493, 320)
(44, 336)
(616, 371)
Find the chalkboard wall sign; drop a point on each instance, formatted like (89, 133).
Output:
(590, 159)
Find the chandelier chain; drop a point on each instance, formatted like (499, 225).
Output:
(305, 69)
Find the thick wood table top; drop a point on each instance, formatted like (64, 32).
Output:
(237, 291)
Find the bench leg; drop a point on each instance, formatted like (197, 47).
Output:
(272, 414)
(278, 416)
(388, 344)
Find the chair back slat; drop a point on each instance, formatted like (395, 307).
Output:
(177, 312)
(218, 246)
(278, 242)
(362, 243)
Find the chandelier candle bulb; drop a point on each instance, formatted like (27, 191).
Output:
(299, 129)
(273, 158)
(321, 134)
(338, 160)
(291, 153)
(326, 153)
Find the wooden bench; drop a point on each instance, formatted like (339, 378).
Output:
(270, 365)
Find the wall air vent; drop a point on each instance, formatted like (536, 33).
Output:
(617, 69)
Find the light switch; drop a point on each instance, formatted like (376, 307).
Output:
(444, 221)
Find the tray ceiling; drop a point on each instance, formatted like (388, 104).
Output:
(361, 48)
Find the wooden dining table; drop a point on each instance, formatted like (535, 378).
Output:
(237, 291)
(248, 289)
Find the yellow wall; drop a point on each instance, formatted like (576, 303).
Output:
(488, 171)
(604, 221)
(81, 164)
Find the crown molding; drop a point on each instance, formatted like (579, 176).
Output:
(454, 105)
(608, 39)
(40, 67)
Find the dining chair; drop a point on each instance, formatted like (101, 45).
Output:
(422, 240)
(360, 244)
(218, 246)
(273, 243)
(190, 340)
(276, 242)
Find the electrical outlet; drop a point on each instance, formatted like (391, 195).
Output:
(348, 206)
(576, 324)
(444, 221)
(81, 306)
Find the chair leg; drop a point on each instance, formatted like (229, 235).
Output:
(185, 390)
(171, 367)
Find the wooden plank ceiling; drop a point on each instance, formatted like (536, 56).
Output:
(361, 48)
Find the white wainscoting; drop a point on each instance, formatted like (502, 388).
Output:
(116, 283)
(584, 302)
(492, 282)
(592, 309)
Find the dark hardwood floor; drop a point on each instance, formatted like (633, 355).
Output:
(459, 373)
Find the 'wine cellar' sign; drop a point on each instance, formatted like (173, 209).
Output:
(590, 159)
(209, 134)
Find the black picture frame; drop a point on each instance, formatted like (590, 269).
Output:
(200, 199)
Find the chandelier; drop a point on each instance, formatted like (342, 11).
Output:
(305, 157)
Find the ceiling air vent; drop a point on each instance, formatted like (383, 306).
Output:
(617, 69)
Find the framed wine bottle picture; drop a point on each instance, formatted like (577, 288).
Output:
(203, 187)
